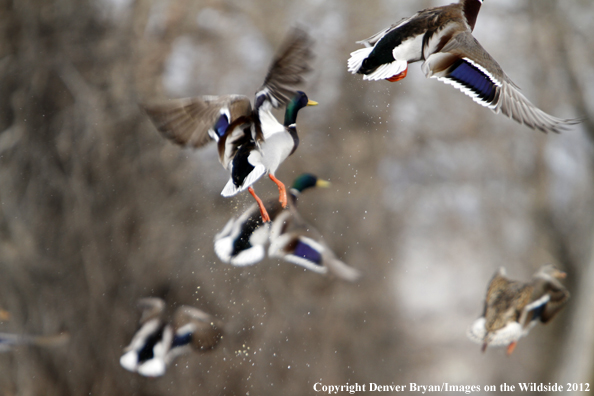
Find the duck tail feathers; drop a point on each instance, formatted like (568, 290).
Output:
(249, 256)
(387, 70)
(230, 189)
(357, 57)
(223, 248)
(477, 332)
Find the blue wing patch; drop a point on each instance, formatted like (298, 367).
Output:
(221, 125)
(537, 312)
(474, 79)
(305, 251)
(181, 340)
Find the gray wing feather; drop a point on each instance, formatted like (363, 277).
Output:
(287, 69)
(509, 100)
(187, 121)
(371, 41)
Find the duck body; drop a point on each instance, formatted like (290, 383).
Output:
(442, 38)
(257, 158)
(247, 239)
(243, 240)
(413, 39)
(512, 308)
(147, 352)
(250, 141)
(157, 342)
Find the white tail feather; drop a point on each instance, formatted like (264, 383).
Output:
(387, 70)
(231, 189)
(152, 368)
(506, 335)
(477, 331)
(129, 361)
(223, 248)
(357, 58)
(249, 256)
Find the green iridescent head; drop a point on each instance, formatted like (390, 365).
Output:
(307, 180)
(299, 101)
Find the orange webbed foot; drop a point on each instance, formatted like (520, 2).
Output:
(398, 76)
(282, 191)
(282, 198)
(263, 211)
(511, 347)
(264, 214)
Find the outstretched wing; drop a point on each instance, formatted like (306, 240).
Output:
(287, 69)
(151, 308)
(196, 121)
(464, 64)
(497, 286)
(371, 41)
(558, 298)
(195, 326)
(299, 243)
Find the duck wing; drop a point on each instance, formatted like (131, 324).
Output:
(194, 122)
(558, 296)
(464, 64)
(192, 325)
(505, 301)
(286, 71)
(297, 242)
(371, 41)
(151, 308)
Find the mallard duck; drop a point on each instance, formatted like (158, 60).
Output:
(157, 342)
(243, 240)
(294, 240)
(251, 142)
(442, 38)
(512, 308)
(10, 340)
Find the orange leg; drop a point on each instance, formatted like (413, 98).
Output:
(263, 212)
(398, 76)
(511, 347)
(282, 191)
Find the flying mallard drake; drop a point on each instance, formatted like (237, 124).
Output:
(251, 142)
(157, 342)
(442, 38)
(243, 240)
(512, 308)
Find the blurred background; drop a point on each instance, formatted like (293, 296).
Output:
(430, 194)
